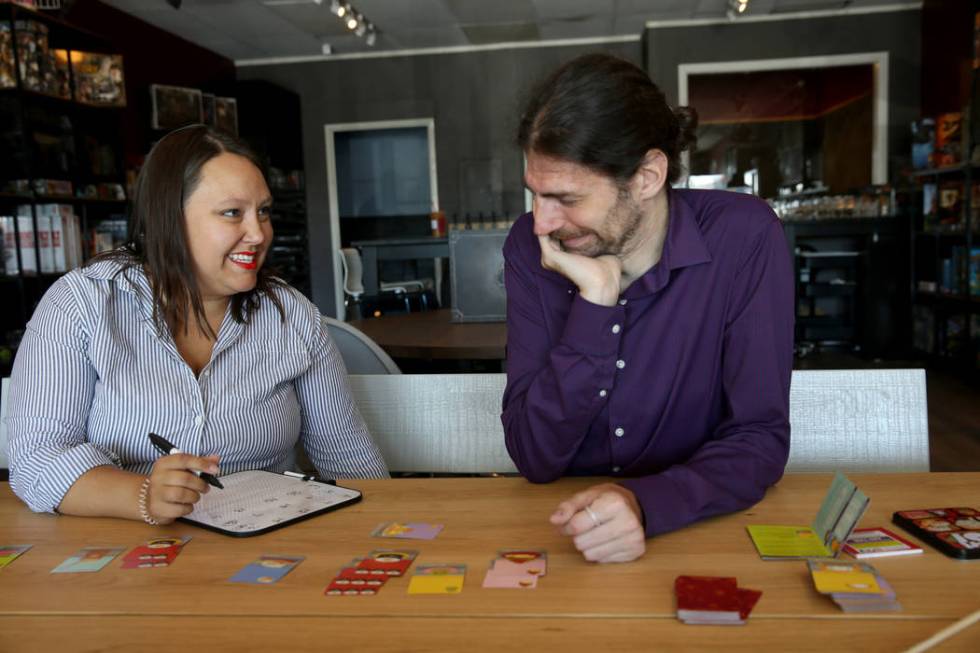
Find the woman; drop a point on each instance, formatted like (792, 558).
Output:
(182, 333)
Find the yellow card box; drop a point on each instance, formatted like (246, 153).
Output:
(831, 577)
(839, 513)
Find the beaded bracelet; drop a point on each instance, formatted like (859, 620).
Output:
(144, 493)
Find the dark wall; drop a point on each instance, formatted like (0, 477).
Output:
(898, 33)
(947, 54)
(150, 56)
(474, 98)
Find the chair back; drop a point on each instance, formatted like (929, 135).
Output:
(361, 354)
(350, 261)
(858, 421)
(4, 387)
(447, 423)
(847, 420)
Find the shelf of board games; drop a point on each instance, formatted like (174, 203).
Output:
(62, 188)
(945, 256)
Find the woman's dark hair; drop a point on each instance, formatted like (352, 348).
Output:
(605, 113)
(157, 239)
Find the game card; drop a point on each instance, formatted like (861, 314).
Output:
(393, 562)
(88, 559)
(408, 530)
(438, 579)
(352, 581)
(10, 552)
(267, 570)
(158, 552)
(497, 580)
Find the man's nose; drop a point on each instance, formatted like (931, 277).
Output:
(547, 217)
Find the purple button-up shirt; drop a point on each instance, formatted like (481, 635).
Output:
(681, 388)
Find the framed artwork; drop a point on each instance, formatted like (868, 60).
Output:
(175, 106)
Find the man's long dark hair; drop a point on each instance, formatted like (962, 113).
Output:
(605, 113)
(157, 240)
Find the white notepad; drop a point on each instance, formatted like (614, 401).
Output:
(257, 501)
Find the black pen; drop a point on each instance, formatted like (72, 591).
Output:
(167, 449)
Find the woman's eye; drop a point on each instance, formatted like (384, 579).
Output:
(265, 212)
(231, 213)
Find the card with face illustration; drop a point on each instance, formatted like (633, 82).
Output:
(351, 581)
(158, 552)
(497, 580)
(10, 552)
(393, 562)
(268, 569)
(531, 561)
(408, 530)
(89, 559)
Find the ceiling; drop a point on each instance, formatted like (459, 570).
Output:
(265, 29)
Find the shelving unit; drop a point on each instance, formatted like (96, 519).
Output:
(946, 312)
(50, 137)
(269, 119)
(850, 279)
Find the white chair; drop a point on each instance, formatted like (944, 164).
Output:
(847, 420)
(443, 423)
(4, 387)
(361, 354)
(858, 421)
(353, 275)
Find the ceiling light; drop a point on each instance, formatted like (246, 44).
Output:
(351, 22)
(361, 28)
(371, 37)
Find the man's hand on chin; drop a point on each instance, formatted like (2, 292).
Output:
(597, 278)
(605, 522)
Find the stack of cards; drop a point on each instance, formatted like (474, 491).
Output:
(158, 552)
(878, 543)
(438, 579)
(407, 530)
(268, 569)
(713, 600)
(366, 576)
(517, 569)
(9, 553)
(89, 559)
(854, 586)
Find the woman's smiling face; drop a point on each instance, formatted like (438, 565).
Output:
(228, 226)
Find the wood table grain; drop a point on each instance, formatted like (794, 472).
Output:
(577, 606)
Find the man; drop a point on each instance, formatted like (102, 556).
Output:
(649, 329)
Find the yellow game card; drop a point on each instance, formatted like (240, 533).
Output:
(437, 579)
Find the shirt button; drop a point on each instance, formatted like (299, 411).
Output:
(198, 420)
(603, 393)
(622, 302)
(620, 363)
(620, 432)
(570, 291)
(616, 328)
(616, 469)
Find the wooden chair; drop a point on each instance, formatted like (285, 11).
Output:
(361, 354)
(847, 420)
(443, 423)
(858, 421)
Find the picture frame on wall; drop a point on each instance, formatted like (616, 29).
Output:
(226, 114)
(176, 106)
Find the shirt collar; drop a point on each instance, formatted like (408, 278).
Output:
(683, 247)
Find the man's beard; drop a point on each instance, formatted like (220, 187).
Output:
(618, 230)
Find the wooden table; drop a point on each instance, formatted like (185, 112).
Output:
(577, 606)
(396, 249)
(433, 335)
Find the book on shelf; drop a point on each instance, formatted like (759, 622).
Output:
(8, 77)
(26, 242)
(10, 266)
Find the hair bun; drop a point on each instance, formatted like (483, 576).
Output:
(687, 124)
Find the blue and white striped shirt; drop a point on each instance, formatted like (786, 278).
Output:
(93, 376)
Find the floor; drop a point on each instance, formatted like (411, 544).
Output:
(954, 411)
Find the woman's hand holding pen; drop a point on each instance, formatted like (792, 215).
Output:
(174, 488)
